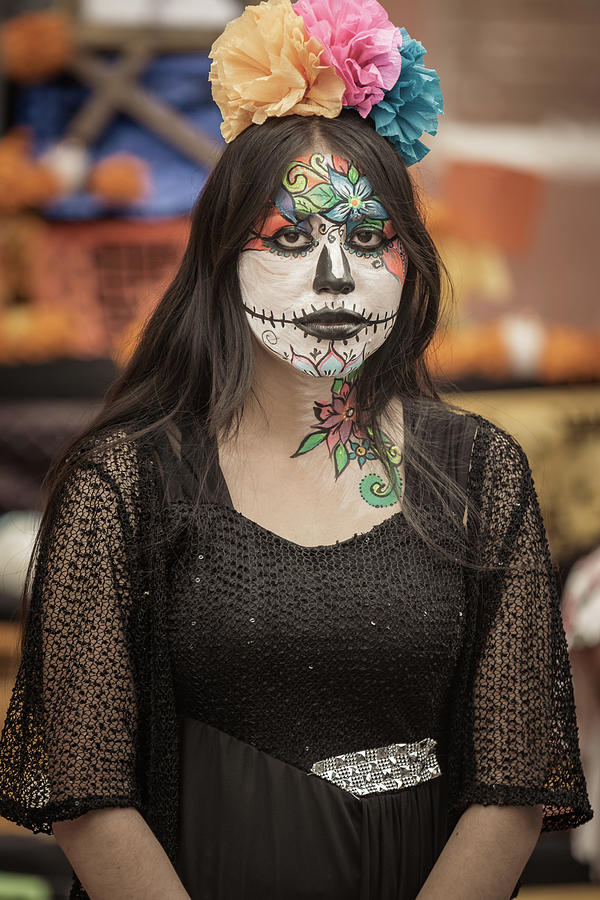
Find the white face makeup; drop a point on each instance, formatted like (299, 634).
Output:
(322, 278)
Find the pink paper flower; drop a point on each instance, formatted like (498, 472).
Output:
(360, 43)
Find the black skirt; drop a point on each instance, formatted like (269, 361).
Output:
(253, 827)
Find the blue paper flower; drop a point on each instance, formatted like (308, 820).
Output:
(412, 106)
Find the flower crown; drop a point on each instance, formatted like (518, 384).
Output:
(316, 56)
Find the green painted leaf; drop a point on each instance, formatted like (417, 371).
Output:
(337, 385)
(351, 376)
(374, 223)
(341, 459)
(353, 174)
(310, 442)
(304, 207)
(322, 196)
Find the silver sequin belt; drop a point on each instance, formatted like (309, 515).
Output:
(382, 768)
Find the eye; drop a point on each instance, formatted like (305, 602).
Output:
(366, 238)
(292, 239)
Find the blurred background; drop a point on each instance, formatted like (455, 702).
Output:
(108, 133)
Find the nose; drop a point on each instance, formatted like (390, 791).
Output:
(332, 280)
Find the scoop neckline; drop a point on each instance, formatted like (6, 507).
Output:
(224, 501)
(228, 504)
(357, 537)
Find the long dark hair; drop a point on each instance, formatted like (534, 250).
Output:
(193, 363)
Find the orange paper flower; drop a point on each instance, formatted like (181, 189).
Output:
(265, 64)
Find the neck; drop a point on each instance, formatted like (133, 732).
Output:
(281, 406)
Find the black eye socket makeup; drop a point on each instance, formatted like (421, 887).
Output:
(292, 238)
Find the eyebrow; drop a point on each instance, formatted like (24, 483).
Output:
(274, 222)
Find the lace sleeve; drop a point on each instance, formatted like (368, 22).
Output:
(518, 738)
(68, 743)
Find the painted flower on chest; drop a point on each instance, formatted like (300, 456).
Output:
(361, 451)
(339, 426)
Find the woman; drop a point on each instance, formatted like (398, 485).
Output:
(293, 628)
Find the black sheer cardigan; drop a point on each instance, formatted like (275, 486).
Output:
(92, 720)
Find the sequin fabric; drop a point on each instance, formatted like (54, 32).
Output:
(381, 769)
(388, 640)
(321, 652)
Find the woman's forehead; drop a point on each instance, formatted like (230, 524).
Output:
(326, 184)
(316, 163)
(320, 153)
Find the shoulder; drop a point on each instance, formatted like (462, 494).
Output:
(500, 476)
(128, 450)
(469, 437)
(113, 453)
(113, 465)
(498, 446)
(444, 425)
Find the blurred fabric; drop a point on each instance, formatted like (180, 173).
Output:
(180, 80)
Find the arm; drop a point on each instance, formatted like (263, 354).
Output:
(513, 737)
(514, 763)
(485, 854)
(70, 739)
(117, 857)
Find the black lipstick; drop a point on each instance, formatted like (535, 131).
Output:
(331, 323)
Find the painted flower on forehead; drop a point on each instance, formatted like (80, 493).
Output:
(265, 64)
(356, 201)
(337, 192)
(360, 43)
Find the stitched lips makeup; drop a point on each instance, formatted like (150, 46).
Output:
(322, 275)
(331, 324)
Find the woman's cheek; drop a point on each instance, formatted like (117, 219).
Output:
(394, 259)
(277, 283)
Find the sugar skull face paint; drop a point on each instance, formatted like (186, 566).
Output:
(322, 276)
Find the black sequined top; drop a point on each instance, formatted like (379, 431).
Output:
(304, 652)
(320, 650)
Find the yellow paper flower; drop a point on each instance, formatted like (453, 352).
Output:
(265, 64)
